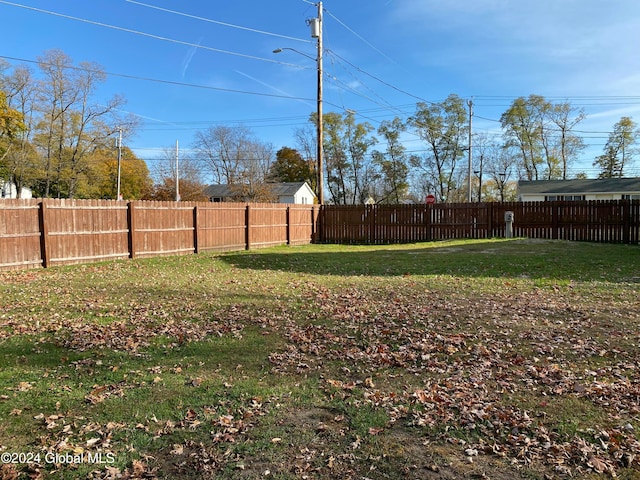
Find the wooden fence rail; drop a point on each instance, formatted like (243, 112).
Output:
(616, 221)
(49, 232)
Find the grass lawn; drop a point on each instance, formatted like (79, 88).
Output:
(493, 359)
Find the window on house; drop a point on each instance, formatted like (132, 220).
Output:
(553, 198)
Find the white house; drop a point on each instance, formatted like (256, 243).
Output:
(579, 189)
(9, 190)
(288, 192)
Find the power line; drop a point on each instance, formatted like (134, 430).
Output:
(218, 22)
(170, 82)
(144, 34)
(359, 36)
(344, 86)
(335, 60)
(378, 79)
(156, 80)
(563, 97)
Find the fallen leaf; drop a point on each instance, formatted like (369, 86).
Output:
(177, 449)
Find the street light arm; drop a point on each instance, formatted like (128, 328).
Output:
(280, 50)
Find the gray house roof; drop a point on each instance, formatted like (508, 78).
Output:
(218, 191)
(279, 189)
(286, 188)
(579, 186)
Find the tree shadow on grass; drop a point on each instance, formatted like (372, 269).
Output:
(520, 258)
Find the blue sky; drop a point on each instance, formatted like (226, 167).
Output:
(382, 56)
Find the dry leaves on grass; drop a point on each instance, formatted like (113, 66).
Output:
(224, 424)
(475, 357)
(141, 325)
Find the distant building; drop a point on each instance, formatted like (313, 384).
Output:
(9, 190)
(579, 189)
(288, 192)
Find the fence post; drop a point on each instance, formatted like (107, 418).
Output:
(625, 210)
(489, 220)
(371, 212)
(313, 224)
(196, 247)
(427, 218)
(44, 233)
(247, 231)
(320, 232)
(288, 222)
(132, 227)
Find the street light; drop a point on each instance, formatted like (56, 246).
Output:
(316, 32)
(503, 177)
(281, 49)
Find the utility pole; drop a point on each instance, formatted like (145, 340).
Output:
(119, 144)
(470, 103)
(316, 32)
(478, 173)
(623, 159)
(177, 175)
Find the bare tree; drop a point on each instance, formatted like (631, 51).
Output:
(233, 156)
(71, 124)
(500, 165)
(189, 175)
(569, 145)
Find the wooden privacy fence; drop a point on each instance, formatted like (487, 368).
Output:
(54, 232)
(616, 221)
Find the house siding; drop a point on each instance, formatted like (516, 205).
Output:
(299, 193)
(595, 189)
(9, 190)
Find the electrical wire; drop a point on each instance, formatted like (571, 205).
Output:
(218, 22)
(378, 79)
(144, 34)
(359, 36)
(361, 113)
(335, 61)
(156, 80)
